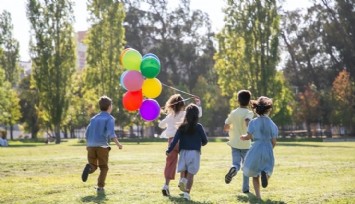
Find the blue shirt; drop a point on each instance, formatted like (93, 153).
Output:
(100, 130)
(188, 141)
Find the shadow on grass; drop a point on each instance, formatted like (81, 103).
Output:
(308, 145)
(24, 145)
(251, 198)
(180, 199)
(99, 198)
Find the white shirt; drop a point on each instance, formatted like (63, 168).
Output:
(172, 122)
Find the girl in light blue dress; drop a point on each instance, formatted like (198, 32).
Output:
(259, 160)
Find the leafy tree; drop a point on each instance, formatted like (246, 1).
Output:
(307, 109)
(248, 54)
(9, 105)
(83, 104)
(343, 107)
(53, 56)
(29, 101)
(105, 42)
(183, 41)
(10, 49)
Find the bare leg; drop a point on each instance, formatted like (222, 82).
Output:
(190, 181)
(256, 184)
(183, 174)
(167, 181)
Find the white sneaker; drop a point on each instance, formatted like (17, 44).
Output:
(182, 184)
(165, 190)
(187, 196)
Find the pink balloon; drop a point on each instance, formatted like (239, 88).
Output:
(133, 80)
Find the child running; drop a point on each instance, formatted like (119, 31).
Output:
(175, 116)
(260, 157)
(98, 135)
(236, 124)
(191, 136)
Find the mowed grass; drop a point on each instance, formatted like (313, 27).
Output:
(305, 172)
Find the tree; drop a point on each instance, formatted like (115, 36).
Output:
(29, 102)
(83, 104)
(9, 105)
(53, 55)
(308, 107)
(248, 54)
(105, 42)
(343, 106)
(183, 41)
(10, 49)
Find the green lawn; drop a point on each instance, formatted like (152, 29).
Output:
(305, 172)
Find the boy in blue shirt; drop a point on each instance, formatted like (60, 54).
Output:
(98, 134)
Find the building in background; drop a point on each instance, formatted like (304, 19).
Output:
(80, 50)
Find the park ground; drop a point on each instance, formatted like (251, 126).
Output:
(305, 172)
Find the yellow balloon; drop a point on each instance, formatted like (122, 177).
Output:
(152, 88)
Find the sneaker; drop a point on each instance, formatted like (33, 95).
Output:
(187, 196)
(86, 171)
(264, 181)
(165, 190)
(100, 190)
(182, 184)
(231, 173)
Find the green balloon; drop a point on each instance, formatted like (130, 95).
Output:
(132, 59)
(150, 67)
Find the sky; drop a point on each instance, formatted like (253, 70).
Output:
(17, 8)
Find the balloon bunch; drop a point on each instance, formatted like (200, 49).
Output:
(140, 81)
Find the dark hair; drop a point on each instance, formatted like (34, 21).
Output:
(190, 120)
(262, 105)
(244, 97)
(175, 103)
(104, 103)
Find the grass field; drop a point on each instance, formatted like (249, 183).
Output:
(305, 172)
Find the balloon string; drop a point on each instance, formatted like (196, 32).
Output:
(179, 90)
(181, 101)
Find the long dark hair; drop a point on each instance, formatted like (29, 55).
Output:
(190, 120)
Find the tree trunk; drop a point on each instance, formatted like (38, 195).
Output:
(309, 131)
(11, 132)
(57, 133)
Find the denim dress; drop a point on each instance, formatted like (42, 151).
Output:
(260, 156)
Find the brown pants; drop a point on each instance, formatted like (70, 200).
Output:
(171, 161)
(98, 157)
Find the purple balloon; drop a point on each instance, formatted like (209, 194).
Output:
(149, 110)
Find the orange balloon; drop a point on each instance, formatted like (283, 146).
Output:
(132, 100)
(122, 54)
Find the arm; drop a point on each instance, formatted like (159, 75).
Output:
(164, 123)
(198, 103)
(175, 141)
(203, 137)
(110, 125)
(226, 127)
(117, 142)
(246, 137)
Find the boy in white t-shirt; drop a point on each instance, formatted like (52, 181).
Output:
(236, 125)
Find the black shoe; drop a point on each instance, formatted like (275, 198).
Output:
(165, 192)
(247, 191)
(264, 181)
(86, 172)
(231, 173)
